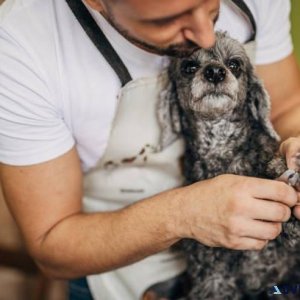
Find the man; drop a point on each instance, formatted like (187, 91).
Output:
(62, 119)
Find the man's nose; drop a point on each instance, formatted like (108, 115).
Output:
(200, 30)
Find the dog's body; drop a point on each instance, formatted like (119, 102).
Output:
(221, 109)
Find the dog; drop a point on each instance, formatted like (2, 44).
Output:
(218, 105)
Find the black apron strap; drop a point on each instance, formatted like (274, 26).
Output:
(245, 9)
(99, 39)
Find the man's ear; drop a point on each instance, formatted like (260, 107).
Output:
(96, 5)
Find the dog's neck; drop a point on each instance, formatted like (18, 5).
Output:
(215, 136)
(215, 145)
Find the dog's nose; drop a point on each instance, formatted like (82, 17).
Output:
(214, 74)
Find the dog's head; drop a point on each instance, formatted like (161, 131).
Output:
(213, 82)
(218, 83)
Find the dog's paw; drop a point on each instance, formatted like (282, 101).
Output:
(276, 167)
(290, 177)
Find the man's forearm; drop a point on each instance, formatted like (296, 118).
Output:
(93, 243)
(287, 122)
(282, 81)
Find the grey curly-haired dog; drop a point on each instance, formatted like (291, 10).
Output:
(222, 110)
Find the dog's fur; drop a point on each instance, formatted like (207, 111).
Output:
(226, 129)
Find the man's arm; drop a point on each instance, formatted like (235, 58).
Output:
(282, 80)
(226, 211)
(46, 202)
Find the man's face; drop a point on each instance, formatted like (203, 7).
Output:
(166, 27)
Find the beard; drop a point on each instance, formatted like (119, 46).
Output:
(177, 50)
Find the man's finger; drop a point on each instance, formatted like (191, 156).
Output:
(275, 191)
(290, 148)
(296, 211)
(293, 161)
(250, 244)
(260, 230)
(269, 211)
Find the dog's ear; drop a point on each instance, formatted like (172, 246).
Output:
(168, 113)
(259, 103)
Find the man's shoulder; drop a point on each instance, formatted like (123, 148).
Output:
(31, 18)
(33, 28)
(21, 9)
(263, 8)
(10, 8)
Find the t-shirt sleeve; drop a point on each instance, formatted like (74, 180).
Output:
(32, 129)
(273, 35)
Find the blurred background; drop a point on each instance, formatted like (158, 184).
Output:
(19, 278)
(295, 17)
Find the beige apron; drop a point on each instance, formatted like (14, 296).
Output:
(132, 168)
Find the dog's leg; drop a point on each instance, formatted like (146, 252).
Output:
(289, 239)
(261, 269)
(209, 271)
(214, 286)
(276, 167)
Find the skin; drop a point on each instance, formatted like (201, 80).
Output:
(183, 27)
(227, 211)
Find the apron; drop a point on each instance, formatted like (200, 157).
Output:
(134, 165)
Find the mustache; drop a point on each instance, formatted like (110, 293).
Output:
(181, 50)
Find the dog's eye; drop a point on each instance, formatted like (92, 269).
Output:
(235, 66)
(189, 67)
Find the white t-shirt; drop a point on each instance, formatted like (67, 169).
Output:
(57, 91)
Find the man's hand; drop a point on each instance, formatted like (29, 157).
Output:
(234, 212)
(290, 148)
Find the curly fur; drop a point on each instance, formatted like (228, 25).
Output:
(226, 127)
